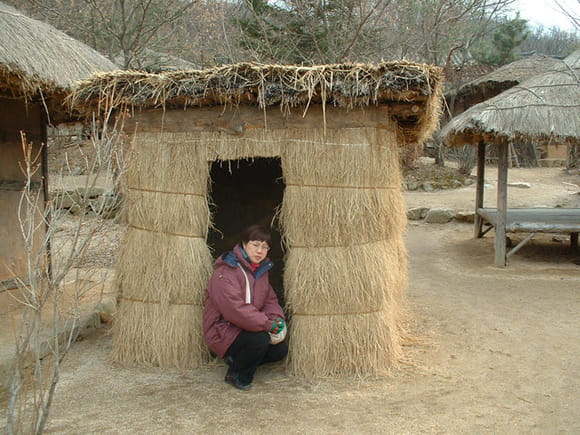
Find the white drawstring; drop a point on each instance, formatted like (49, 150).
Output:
(248, 294)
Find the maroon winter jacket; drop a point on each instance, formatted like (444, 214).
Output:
(226, 312)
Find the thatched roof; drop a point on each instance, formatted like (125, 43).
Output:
(35, 57)
(543, 109)
(492, 84)
(346, 85)
(156, 62)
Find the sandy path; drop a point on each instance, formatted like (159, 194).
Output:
(499, 355)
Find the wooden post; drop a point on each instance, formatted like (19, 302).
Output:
(480, 185)
(500, 233)
(44, 151)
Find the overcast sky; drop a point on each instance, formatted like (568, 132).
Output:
(547, 13)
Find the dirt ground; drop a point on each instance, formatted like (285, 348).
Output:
(498, 350)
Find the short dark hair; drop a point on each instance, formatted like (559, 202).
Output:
(257, 232)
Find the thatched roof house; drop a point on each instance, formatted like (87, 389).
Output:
(155, 62)
(38, 66)
(544, 109)
(503, 78)
(314, 148)
(36, 58)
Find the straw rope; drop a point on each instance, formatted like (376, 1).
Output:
(166, 232)
(337, 246)
(143, 301)
(343, 187)
(142, 189)
(338, 314)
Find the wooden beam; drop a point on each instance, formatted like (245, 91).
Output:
(480, 185)
(237, 120)
(500, 233)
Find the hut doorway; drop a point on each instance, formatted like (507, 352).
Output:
(246, 192)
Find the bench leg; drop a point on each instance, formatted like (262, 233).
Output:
(574, 241)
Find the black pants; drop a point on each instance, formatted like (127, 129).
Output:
(249, 350)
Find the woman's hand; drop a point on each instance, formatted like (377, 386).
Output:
(278, 326)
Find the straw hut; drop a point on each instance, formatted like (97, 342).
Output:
(543, 109)
(494, 83)
(155, 62)
(38, 65)
(316, 149)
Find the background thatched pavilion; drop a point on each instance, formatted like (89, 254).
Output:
(315, 147)
(38, 65)
(544, 108)
(497, 81)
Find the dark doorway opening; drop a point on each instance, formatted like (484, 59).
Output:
(246, 192)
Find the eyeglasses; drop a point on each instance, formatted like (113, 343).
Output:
(257, 245)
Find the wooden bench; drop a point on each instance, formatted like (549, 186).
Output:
(535, 220)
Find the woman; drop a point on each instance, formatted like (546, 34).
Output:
(242, 311)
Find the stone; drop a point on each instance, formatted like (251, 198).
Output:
(520, 185)
(411, 185)
(427, 187)
(440, 215)
(417, 213)
(465, 216)
(106, 309)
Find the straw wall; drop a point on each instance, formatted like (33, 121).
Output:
(165, 262)
(343, 215)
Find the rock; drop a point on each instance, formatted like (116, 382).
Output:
(106, 309)
(427, 187)
(440, 215)
(551, 163)
(455, 184)
(411, 185)
(520, 185)
(417, 213)
(465, 216)
(93, 201)
(68, 198)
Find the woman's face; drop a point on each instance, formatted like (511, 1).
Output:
(256, 250)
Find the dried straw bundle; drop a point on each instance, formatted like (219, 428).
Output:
(343, 279)
(343, 181)
(161, 267)
(344, 343)
(167, 163)
(342, 218)
(162, 283)
(164, 335)
(338, 217)
(189, 212)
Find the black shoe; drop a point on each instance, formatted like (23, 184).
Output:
(232, 379)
